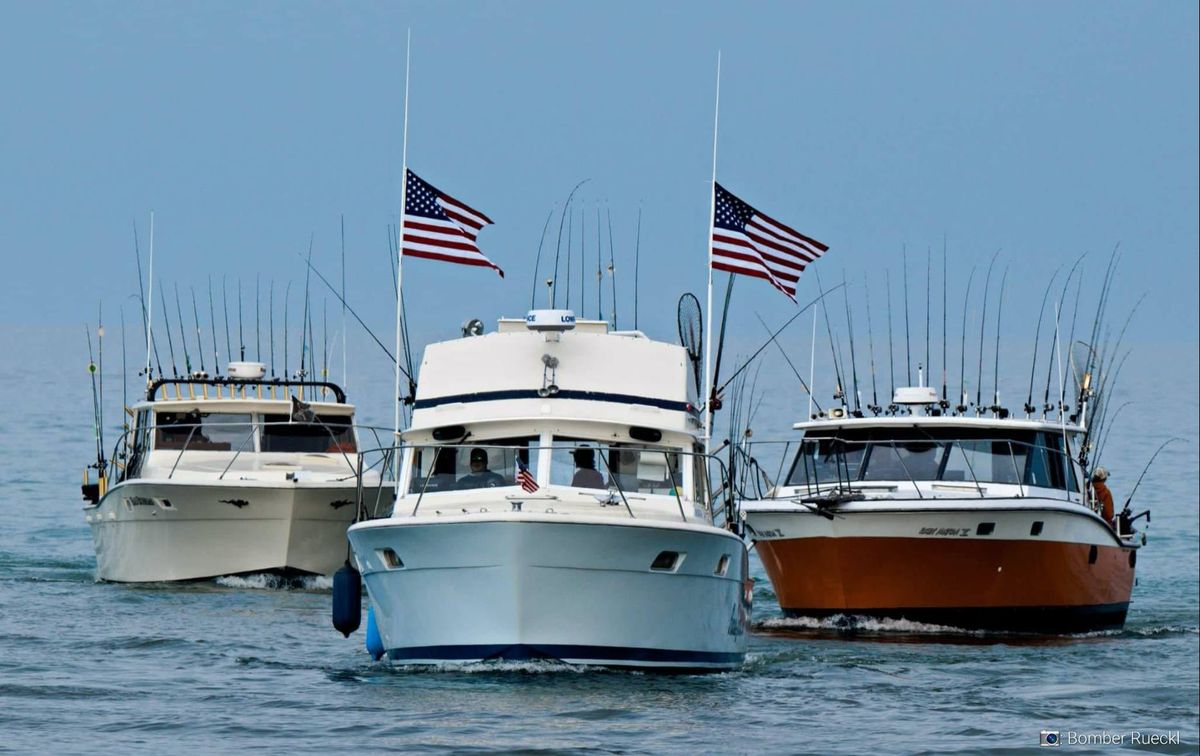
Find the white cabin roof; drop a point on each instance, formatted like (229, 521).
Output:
(943, 421)
(601, 376)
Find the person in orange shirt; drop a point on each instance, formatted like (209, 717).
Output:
(1103, 496)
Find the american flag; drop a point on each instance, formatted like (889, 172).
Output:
(439, 227)
(525, 478)
(748, 242)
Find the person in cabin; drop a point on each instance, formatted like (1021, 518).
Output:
(586, 474)
(480, 476)
(1103, 496)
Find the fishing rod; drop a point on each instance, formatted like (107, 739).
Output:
(187, 357)
(637, 259)
(850, 334)
(304, 317)
(891, 357)
(241, 335)
(1108, 430)
(571, 257)
(322, 279)
(996, 360)
(874, 406)
(225, 307)
(840, 394)
(599, 273)
(712, 400)
(612, 269)
(537, 260)
(962, 348)
(776, 333)
(212, 326)
(271, 323)
(325, 340)
(928, 276)
(1029, 408)
(1154, 456)
(96, 423)
(345, 381)
(393, 254)
(124, 375)
(907, 342)
(100, 355)
(787, 359)
(944, 403)
(1058, 314)
(142, 298)
(558, 249)
(257, 319)
(286, 294)
(196, 322)
(167, 321)
(987, 282)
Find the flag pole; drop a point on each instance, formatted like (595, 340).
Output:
(400, 250)
(712, 188)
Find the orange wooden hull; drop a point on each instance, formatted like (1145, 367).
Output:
(1023, 585)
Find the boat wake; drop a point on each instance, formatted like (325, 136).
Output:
(270, 582)
(537, 667)
(843, 623)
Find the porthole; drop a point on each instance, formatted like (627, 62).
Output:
(1132, 559)
(1093, 554)
(666, 561)
(1035, 528)
(391, 559)
(722, 566)
(985, 528)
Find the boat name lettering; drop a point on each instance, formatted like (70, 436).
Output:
(140, 501)
(962, 532)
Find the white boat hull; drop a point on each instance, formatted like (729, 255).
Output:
(152, 531)
(522, 586)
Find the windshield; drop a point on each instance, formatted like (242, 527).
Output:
(486, 464)
(204, 431)
(634, 468)
(1031, 458)
(326, 434)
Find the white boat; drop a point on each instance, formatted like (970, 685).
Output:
(230, 475)
(605, 554)
(967, 521)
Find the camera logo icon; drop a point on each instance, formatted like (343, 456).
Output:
(1049, 739)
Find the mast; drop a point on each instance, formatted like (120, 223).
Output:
(400, 248)
(712, 211)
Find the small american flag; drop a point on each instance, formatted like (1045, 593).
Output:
(748, 242)
(524, 478)
(439, 227)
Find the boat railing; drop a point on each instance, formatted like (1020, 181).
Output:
(222, 387)
(836, 465)
(132, 446)
(617, 481)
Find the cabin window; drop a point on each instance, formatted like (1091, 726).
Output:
(488, 463)
(326, 434)
(204, 431)
(985, 461)
(632, 468)
(904, 460)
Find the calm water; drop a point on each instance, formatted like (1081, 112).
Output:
(233, 664)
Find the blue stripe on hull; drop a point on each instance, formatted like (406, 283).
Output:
(608, 655)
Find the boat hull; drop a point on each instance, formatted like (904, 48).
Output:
(1033, 570)
(516, 588)
(155, 531)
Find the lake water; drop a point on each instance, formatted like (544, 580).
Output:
(245, 664)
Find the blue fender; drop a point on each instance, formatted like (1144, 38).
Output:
(374, 640)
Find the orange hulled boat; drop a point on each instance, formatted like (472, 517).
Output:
(963, 519)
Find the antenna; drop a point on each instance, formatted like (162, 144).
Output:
(599, 272)
(637, 258)
(871, 347)
(928, 276)
(257, 320)
(286, 294)
(907, 342)
(840, 394)
(537, 261)
(225, 307)
(100, 354)
(304, 322)
(148, 304)
(982, 323)
(962, 348)
(141, 299)
(124, 373)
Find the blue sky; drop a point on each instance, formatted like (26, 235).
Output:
(1042, 130)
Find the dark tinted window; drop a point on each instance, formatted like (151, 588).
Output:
(328, 434)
